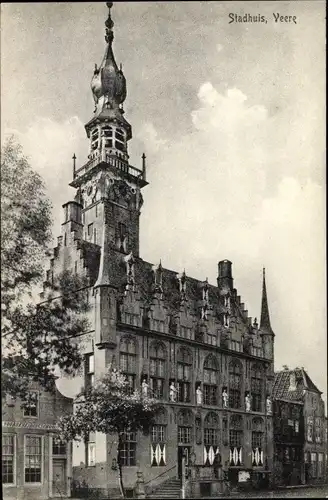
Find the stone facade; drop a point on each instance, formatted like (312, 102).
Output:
(35, 464)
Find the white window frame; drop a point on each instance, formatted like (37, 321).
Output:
(37, 406)
(42, 459)
(91, 454)
(13, 484)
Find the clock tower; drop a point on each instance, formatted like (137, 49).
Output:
(107, 205)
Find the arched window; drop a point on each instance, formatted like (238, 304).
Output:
(185, 423)
(236, 440)
(257, 442)
(157, 358)
(210, 381)
(234, 384)
(128, 355)
(158, 439)
(211, 429)
(256, 387)
(184, 367)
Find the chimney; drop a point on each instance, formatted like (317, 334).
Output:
(225, 280)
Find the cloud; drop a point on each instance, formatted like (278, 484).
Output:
(49, 146)
(236, 188)
(150, 136)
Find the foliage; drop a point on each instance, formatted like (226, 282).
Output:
(111, 408)
(35, 337)
(25, 224)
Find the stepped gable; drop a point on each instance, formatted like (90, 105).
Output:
(144, 279)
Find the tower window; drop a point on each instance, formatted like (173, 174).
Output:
(120, 135)
(119, 146)
(89, 371)
(120, 140)
(108, 132)
(94, 139)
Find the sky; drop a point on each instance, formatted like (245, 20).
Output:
(231, 117)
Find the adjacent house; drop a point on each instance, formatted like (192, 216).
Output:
(35, 463)
(300, 452)
(288, 430)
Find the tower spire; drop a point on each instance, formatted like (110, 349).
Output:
(265, 324)
(109, 35)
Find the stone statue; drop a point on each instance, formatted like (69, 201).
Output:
(268, 405)
(199, 396)
(248, 402)
(173, 392)
(144, 387)
(225, 398)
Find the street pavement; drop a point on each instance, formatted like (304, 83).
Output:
(301, 492)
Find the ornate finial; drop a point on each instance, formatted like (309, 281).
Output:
(143, 158)
(109, 36)
(74, 164)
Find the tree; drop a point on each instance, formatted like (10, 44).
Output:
(36, 337)
(110, 407)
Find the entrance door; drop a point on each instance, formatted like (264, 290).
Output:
(183, 450)
(59, 485)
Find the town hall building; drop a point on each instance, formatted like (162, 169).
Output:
(190, 341)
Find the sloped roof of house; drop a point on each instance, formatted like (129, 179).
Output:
(281, 385)
(309, 385)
